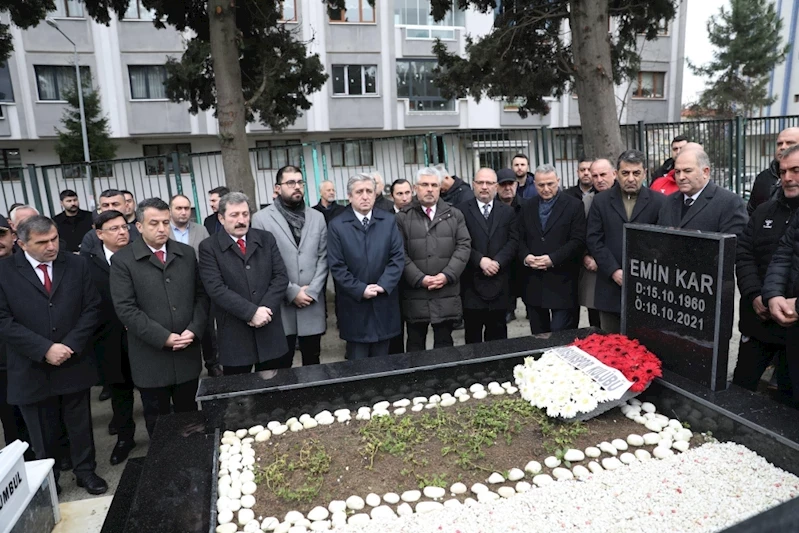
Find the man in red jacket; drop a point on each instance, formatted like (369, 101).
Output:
(666, 184)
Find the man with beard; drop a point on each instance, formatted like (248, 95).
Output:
(454, 190)
(627, 202)
(327, 202)
(129, 210)
(585, 183)
(73, 222)
(521, 168)
(506, 193)
(111, 340)
(767, 183)
(244, 275)
(301, 236)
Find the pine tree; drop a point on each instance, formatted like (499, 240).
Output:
(69, 146)
(748, 47)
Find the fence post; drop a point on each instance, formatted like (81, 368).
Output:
(37, 193)
(426, 149)
(739, 149)
(197, 216)
(641, 130)
(545, 152)
(178, 177)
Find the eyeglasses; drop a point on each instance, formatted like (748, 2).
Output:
(115, 229)
(481, 183)
(291, 184)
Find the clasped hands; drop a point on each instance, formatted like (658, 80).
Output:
(432, 283)
(538, 262)
(263, 316)
(372, 290)
(489, 267)
(58, 353)
(179, 342)
(783, 310)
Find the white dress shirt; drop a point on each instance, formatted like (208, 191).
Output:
(432, 211)
(161, 249)
(481, 206)
(694, 196)
(35, 265)
(108, 254)
(360, 217)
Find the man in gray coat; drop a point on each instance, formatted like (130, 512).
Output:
(437, 249)
(301, 235)
(186, 231)
(243, 273)
(159, 298)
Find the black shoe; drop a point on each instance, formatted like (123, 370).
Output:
(93, 483)
(105, 394)
(458, 324)
(121, 451)
(112, 429)
(510, 317)
(65, 464)
(215, 371)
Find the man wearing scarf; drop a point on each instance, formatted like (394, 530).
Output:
(301, 235)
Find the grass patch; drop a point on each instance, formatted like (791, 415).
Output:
(299, 480)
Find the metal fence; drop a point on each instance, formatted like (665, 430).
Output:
(739, 149)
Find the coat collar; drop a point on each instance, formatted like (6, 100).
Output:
(141, 252)
(617, 202)
(24, 267)
(704, 198)
(271, 211)
(226, 242)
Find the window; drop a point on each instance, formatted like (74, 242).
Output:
(512, 104)
(289, 10)
(649, 85)
(147, 82)
(415, 82)
(352, 153)
(278, 154)
(354, 80)
(354, 11)
(163, 163)
(10, 164)
(6, 89)
(137, 11)
(54, 82)
(663, 27)
(568, 146)
(417, 13)
(68, 8)
(413, 150)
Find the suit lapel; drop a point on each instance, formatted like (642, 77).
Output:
(59, 266)
(478, 215)
(102, 263)
(281, 222)
(532, 204)
(493, 218)
(617, 203)
(699, 204)
(253, 242)
(172, 250)
(640, 203)
(557, 210)
(27, 272)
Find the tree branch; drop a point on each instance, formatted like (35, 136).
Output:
(261, 88)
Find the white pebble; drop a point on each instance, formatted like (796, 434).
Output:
(234, 504)
(227, 528)
(642, 455)
(552, 461)
(310, 423)
(263, 436)
(469, 502)
(252, 527)
(562, 474)
(391, 497)
(648, 407)
(241, 433)
(405, 402)
(435, 493)
(448, 402)
(675, 424)
(487, 496)
(224, 516)
(542, 479)
(523, 486)
(337, 506)
(359, 519)
(399, 411)
(458, 488)
(291, 421)
(355, 503)
(418, 407)
(452, 503)
(684, 434)
(580, 472)
(611, 463)
(506, 492)
(680, 445)
(463, 398)
(627, 458)
(496, 477)
(497, 392)
(247, 501)
(297, 529)
(593, 452)
(292, 517)
(318, 513)
(426, 507)
(651, 438)
(639, 420)
(341, 412)
(404, 509)
(381, 406)
(255, 430)
(608, 448)
(460, 391)
(248, 488)
(372, 500)
(321, 525)
(573, 455)
(635, 440)
(477, 488)
(653, 425)
(512, 390)
(410, 496)
(380, 412)
(661, 452)
(533, 467)
(338, 519)
(619, 444)
(246, 515)
(382, 512)
(476, 387)
(515, 474)
(280, 429)
(272, 425)
(419, 400)
(269, 523)
(435, 398)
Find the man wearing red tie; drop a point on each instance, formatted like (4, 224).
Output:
(159, 298)
(49, 309)
(245, 277)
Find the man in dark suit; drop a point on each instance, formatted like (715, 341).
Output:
(109, 199)
(506, 193)
(73, 222)
(366, 257)
(625, 202)
(495, 238)
(159, 298)
(327, 202)
(701, 204)
(585, 182)
(211, 222)
(243, 272)
(49, 309)
(551, 245)
(110, 339)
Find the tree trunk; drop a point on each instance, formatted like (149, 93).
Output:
(593, 76)
(230, 98)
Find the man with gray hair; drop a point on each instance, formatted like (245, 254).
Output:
(301, 236)
(327, 201)
(626, 202)
(437, 248)
(366, 258)
(701, 204)
(245, 278)
(454, 190)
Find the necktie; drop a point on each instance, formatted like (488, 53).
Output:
(429, 212)
(365, 222)
(242, 246)
(161, 255)
(486, 211)
(689, 202)
(48, 284)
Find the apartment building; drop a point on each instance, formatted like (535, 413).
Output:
(380, 64)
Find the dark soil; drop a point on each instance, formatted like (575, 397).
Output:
(349, 473)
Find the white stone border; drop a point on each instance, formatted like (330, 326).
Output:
(236, 484)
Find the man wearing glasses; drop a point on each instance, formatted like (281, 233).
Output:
(301, 235)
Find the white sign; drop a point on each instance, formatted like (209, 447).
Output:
(610, 379)
(13, 483)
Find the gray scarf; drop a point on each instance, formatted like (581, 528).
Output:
(294, 215)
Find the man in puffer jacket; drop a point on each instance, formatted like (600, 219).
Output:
(454, 190)
(437, 249)
(781, 286)
(767, 183)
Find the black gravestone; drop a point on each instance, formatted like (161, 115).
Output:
(678, 296)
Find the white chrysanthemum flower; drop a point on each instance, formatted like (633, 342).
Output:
(568, 410)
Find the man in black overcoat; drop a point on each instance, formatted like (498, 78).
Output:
(49, 309)
(111, 339)
(245, 278)
(551, 246)
(626, 202)
(484, 283)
